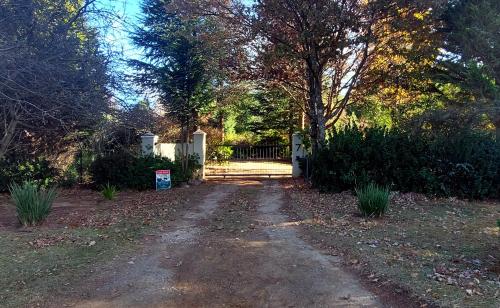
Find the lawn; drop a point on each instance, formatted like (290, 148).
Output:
(78, 237)
(442, 252)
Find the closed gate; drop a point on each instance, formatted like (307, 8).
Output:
(249, 160)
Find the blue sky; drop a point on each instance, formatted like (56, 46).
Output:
(117, 37)
(128, 12)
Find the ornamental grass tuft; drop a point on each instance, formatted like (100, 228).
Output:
(33, 204)
(373, 200)
(109, 191)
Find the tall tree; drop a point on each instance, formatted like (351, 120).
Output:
(53, 75)
(472, 29)
(330, 45)
(177, 61)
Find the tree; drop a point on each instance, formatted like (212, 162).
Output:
(188, 64)
(176, 66)
(329, 46)
(53, 76)
(473, 60)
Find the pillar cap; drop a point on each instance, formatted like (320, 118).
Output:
(148, 134)
(199, 132)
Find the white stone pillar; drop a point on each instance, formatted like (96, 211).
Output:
(200, 148)
(148, 144)
(298, 151)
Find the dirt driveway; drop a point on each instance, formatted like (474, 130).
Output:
(235, 248)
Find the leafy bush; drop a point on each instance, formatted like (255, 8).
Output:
(464, 164)
(37, 170)
(219, 153)
(125, 170)
(69, 177)
(33, 204)
(373, 200)
(109, 192)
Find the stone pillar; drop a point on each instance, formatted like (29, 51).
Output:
(148, 144)
(200, 148)
(298, 151)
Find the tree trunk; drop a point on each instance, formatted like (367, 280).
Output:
(9, 133)
(185, 159)
(221, 127)
(497, 130)
(316, 108)
(291, 127)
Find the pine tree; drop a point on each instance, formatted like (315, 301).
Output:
(175, 62)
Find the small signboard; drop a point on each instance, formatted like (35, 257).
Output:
(163, 180)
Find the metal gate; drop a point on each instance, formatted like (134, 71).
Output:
(249, 160)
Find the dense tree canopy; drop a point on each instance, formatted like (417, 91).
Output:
(472, 32)
(53, 76)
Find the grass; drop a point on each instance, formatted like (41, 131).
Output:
(50, 263)
(372, 200)
(30, 271)
(444, 252)
(109, 192)
(33, 204)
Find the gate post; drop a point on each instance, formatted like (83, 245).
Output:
(298, 151)
(200, 148)
(148, 144)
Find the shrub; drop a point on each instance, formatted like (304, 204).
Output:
(125, 170)
(219, 153)
(373, 200)
(33, 204)
(69, 177)
(37, 170)
(109, 192)
(464, 164)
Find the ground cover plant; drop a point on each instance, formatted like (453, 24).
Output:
(443, 252)
(109, 192)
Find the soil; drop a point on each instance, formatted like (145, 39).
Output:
(234, 248)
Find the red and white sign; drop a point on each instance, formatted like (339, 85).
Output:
(163, 180)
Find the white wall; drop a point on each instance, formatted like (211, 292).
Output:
(170, 150)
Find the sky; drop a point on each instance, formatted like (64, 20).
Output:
(116, 38)
(128, 12)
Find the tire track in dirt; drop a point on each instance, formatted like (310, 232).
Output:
(235, 249)
(263, 263)
(146, 279)
(314, 279)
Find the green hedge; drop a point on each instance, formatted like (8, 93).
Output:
(125, 170)
(463, 164)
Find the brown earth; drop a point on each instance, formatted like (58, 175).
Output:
(234, 248)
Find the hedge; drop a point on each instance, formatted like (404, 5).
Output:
(464, 164)
(126, 170)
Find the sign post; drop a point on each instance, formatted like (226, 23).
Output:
(163, 180)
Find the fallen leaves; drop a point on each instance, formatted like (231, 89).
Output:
(448, 245)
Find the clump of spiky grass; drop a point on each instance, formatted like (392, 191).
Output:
(33, 204)
(109, 191)
(373, 200)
